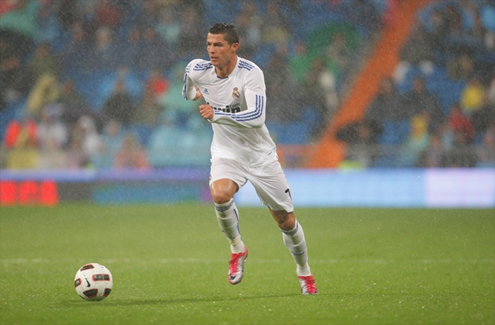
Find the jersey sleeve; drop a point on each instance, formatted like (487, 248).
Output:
(188, 89)
(255, 96)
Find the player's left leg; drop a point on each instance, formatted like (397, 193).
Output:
(273, 189)
(294, 240)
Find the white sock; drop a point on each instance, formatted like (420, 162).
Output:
(303, 270)
(228, 220)
(296, 243)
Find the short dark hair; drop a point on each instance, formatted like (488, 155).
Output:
(228, 30)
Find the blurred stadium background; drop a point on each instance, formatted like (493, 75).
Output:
(371, 102)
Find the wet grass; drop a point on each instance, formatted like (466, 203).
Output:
(372, 266)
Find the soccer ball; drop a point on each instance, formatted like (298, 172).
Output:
(93, 281)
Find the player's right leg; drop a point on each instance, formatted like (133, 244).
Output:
(222, 192)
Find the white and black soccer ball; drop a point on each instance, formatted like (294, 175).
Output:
(93, 281)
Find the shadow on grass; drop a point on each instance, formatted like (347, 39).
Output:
(164, 301)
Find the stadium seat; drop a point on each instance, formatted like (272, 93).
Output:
(289, 133)
(447, 90)
(263, 54)
(143, 132)
(394, 132)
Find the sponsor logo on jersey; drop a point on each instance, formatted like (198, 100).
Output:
(236, 108)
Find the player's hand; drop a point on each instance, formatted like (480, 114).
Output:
(199, 95)
(206, 111)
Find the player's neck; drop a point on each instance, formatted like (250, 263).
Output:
(225, 71)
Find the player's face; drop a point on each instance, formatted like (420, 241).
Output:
(219, 50)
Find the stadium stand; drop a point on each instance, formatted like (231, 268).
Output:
(462, 44)
(326, 45)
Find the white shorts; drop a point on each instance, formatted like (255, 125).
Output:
(268, 180)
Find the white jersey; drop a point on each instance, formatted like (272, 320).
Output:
(239, 102)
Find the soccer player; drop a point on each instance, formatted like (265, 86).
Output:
(242, 149)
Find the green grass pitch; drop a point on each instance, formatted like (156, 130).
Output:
(372, 266)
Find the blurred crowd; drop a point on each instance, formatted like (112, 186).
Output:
(97, 83)
(438, 109)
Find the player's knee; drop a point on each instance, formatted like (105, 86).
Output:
(286, 220)
(220, 197)
(287, 225)
(222, 191)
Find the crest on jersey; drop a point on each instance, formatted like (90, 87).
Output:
(236, 94)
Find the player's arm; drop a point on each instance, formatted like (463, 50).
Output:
(189, 90)
(255, 96)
